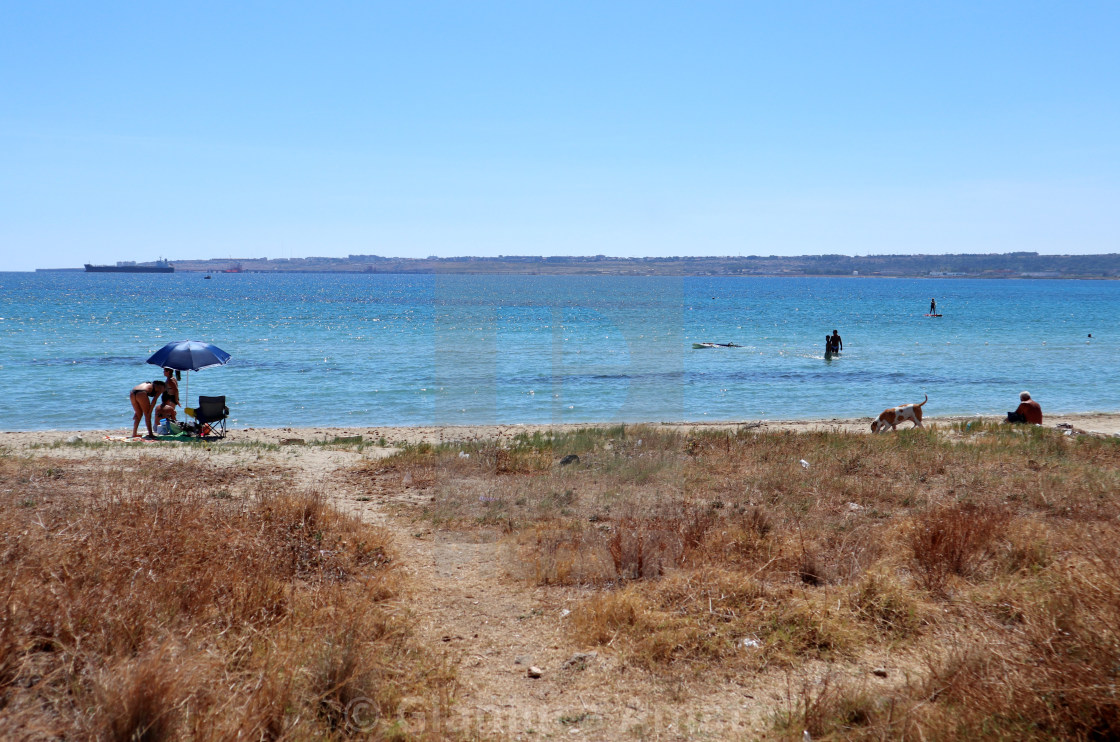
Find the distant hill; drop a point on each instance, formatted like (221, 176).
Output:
(1005, 265)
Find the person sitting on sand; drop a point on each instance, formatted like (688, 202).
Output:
(164, 410)
(1028, 411)
(170, 398)
(142, 398)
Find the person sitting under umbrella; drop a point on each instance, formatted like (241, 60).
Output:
(142, 397)
(170, 398)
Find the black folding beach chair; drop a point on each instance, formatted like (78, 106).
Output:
(212, 412)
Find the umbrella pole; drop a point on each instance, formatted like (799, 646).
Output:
(186, 385)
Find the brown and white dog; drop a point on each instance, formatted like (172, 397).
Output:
(895, 415)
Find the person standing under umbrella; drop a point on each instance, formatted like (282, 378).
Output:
(142, 398)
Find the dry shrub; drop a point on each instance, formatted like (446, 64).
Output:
(138, 700)
(642, 545)
(1072, 633)
(826, 707)
(517, 461)
(555, 554)
(953, 540)
(810, 570)
(758, 521)
(264, 713)
(347, 665)
(1044, 665)
(883, 601)
(9, 651)
(645, 546)
(1026, 546)
(134, 612)
(686, 616)
(740, 538)
(607, 616)
(708, 614)
(811, 624)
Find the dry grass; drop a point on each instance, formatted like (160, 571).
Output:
(952, 540)
(989, 549)
(1038, 660)
(135, 610)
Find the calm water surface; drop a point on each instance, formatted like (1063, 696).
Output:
(366, 350)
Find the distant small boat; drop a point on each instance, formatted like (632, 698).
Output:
(698, 346)
(206, 277)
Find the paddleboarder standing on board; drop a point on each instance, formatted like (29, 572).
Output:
(933, 306)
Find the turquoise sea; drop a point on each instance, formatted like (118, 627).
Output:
(369, 350)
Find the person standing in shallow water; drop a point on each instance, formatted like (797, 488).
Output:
(836, 343)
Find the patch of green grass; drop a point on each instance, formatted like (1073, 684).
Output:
(344, 441)
(78, 442)
(257, 446)
(573, 719)
(574, 441)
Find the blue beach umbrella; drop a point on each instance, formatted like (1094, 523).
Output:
(189, 355)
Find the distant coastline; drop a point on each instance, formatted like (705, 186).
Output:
(1003, 265)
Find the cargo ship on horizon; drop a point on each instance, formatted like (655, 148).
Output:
(128, 266)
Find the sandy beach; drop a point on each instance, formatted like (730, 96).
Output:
(1098, 423)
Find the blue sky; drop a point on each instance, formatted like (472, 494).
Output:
(130, 131)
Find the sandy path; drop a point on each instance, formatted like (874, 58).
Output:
(465, 603)
(500, 627)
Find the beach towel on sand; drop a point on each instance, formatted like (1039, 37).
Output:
(181, 436)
